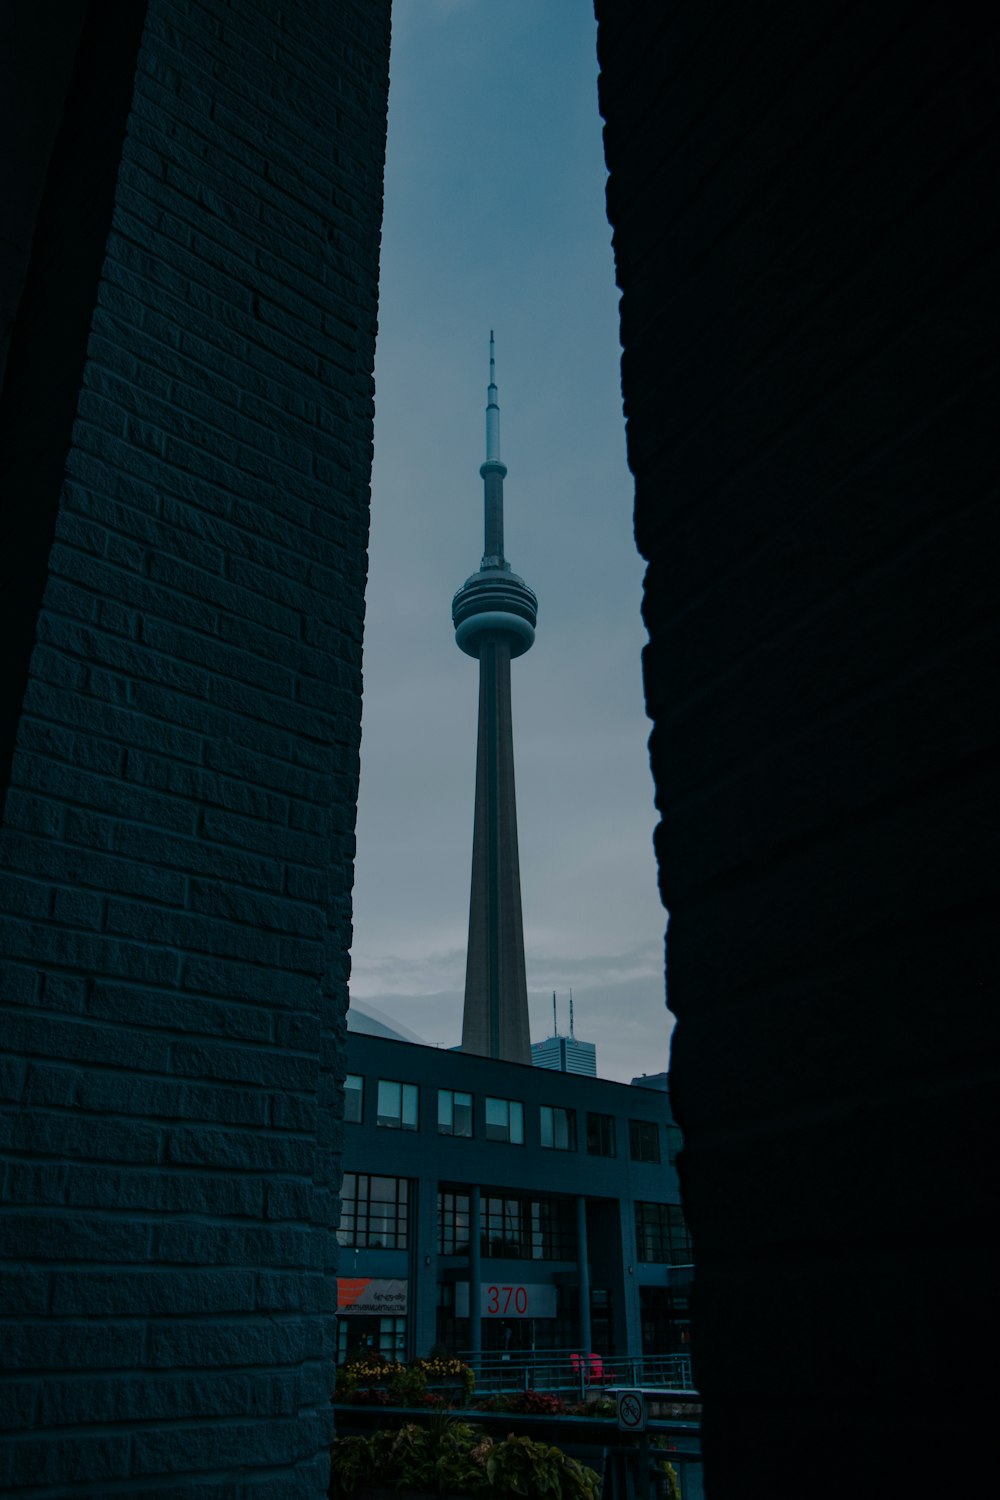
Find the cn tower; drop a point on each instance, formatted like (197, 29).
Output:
(494, 614)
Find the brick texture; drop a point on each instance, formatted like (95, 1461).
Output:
(803, 205)
(178, 834)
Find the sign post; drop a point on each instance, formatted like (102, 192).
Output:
(632, 1418)
(631, 1411)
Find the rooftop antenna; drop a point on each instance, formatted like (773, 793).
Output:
(571, 1014)
(555, 1023)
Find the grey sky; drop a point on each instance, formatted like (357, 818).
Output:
(494, 218)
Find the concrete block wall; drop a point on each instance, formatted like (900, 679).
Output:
(803, 205)
(177, 839)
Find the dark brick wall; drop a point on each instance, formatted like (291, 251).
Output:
(804, 210)
(177, 842)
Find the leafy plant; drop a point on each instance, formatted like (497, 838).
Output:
(448, 1456)
(667, 1481)
(599, 1406)
(668, 1484)
(521, 1466)
(352, 1464)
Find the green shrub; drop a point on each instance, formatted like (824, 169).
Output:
(450, 1457)
(521, 1466)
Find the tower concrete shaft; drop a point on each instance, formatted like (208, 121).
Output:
(495, 1019)
(494, 613)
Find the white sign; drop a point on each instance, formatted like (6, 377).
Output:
(368, 1294)
(508, 1299)
(632, 1411)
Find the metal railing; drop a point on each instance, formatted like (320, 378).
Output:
(571, 1372)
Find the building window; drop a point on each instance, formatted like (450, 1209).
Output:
(373, 1212)
(453, 1223)
(452, 1331)
(513, 1227)
(503, 1228)
(643, 1140)
(675, 1143)
(661, 1234)
(522, 1228)
(600, 1134)
(505, 1121)
(362, 1337)
(354, 1098)
(558, 1127)
(454, 1113)
(397, 1105)
(553, 1229)
(358, 1337)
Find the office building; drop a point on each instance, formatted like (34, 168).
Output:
(555, 1197)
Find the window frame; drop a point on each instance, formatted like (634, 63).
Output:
(662, 1229)
(644, 1130)
(358, 1225)
(603, 1120)
(408, 1093)
(510, 1105)
(548, 1126)
(453, 1095)
(352, 1093)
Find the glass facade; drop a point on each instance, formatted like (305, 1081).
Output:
(600, 1134)
(373, 1212)
(454, 1113)
(452, 1223)
(354, 1098)
(397, 1105)
(371, 1335)
(661, 1235)
(514, 1226)
(643, 1140)
(558, 1127)
(452, 1331)
(665, 1315)
(505, 1121)
(521, 1228)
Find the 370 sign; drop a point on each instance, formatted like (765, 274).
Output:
(508, 1299)
(516, 1300)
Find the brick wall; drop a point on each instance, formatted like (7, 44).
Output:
(803, 204)
(178, 833)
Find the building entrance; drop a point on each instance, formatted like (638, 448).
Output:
(363, 1333)
(666, 1320)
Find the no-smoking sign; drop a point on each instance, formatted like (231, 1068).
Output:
(632, 1411)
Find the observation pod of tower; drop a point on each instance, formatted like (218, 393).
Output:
(494, 614)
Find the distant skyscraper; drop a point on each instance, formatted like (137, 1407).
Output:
(494, 614)
(565, 1054)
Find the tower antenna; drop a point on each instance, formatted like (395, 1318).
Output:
(571, 1013)
(555, 1023)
